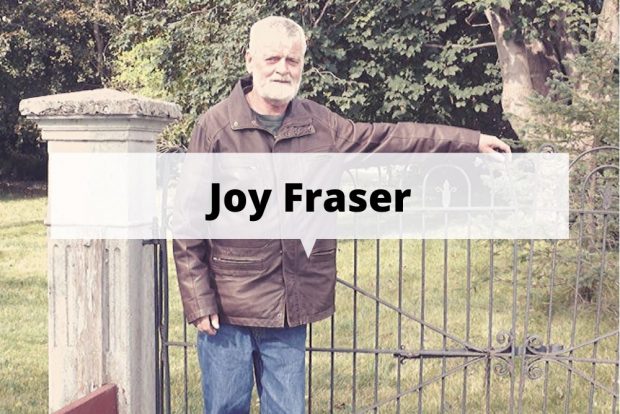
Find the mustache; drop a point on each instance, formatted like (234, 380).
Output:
(287, 79)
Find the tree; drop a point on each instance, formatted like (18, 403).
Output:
(44, 48)
(539, 42)
(50, 47)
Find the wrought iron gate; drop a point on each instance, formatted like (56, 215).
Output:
(452, 326)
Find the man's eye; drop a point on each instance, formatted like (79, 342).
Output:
(292, 61)
(272, 59)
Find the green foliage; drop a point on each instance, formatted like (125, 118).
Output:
(30, 47)
(581, 111)
(578, 114)
(137, 70)
(542, 19)
(373, 61)
(49, 47)
(45, 47)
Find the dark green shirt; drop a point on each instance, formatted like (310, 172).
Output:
(270, 122)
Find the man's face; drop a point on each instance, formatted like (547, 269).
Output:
(276, 66)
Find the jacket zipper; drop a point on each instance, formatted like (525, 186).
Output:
(234, 261)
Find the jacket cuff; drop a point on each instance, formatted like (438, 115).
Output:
(474, 139)
(204, 309)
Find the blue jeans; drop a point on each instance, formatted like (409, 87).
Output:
(236, 355)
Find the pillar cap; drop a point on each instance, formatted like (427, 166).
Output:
(97, 102)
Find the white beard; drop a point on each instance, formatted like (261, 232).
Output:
(275, 91)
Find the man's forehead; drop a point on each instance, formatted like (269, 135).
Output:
(279, 45)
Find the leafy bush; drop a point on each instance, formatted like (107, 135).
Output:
(579, 114)
(581, 111)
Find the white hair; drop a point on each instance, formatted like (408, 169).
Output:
(264, 28)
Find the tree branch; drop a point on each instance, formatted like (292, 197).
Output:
(322, 73)
(348, 13)
(467, 47)
(316, 22)
(100, 46)
(469, 20)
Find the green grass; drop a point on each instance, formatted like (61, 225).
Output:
(23, 303)
(23, 331)
(481, 316)
(506, 295)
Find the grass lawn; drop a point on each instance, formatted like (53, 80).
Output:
(405, 277)
(23, 301)
(384, 369)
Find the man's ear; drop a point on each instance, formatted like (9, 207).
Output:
(248, 62)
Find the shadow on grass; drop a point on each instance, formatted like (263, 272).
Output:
(20, 223)
(11, 190)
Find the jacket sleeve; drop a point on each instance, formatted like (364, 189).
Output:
(402, 137)
(191, 257)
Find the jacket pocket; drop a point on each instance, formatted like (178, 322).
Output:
(247, 258)
(324, 249)
(323, 254)
(235, 265)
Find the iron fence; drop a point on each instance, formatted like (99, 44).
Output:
(452, 326)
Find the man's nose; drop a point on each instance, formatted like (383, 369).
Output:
(282, 66)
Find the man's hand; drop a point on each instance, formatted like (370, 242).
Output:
(209, 324)
(490, 143)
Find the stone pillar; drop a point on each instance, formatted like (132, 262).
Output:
(101, 299)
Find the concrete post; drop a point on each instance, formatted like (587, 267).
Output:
(101, 306)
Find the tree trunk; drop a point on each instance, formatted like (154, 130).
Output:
(607, 29)
(99, 43)
(525, 66)
(516, 79)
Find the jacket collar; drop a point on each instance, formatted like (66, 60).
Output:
(297, 120)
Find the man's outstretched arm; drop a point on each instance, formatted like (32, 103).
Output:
(410, 137)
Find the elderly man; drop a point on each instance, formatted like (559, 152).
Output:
(251, 299)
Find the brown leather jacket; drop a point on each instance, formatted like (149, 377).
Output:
(271, 283)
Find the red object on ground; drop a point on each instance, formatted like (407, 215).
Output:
(100, 401)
